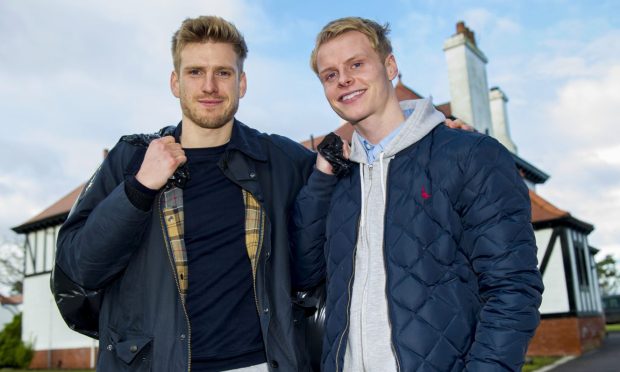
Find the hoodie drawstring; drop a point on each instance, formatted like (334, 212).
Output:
(383, 179)
(383, 188)
(362, 210)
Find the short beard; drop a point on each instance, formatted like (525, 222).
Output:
(207, 121)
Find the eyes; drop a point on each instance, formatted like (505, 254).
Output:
(223, 73)
(332, 75)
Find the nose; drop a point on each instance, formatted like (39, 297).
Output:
(344, 79)
(209, 84)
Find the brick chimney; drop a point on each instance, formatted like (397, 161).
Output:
(469, 89)
(462, 29)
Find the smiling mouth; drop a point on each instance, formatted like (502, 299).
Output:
(351, 96)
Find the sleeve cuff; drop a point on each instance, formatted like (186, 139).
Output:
(139, 195)
(321, 184)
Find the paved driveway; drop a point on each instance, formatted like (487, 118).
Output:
(603, 359)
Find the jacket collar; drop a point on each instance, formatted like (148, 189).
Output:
(243, 139)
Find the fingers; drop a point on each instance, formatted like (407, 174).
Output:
(168, 145)
(346, 150)
(162, 158)
(459, 124)
(165, 139)
(323, 165)
(451, 123)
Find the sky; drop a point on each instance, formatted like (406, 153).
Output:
(76, 75)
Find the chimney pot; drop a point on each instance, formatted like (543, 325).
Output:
(472, 36)
(105, 153)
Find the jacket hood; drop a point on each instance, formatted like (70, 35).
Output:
(423, 119)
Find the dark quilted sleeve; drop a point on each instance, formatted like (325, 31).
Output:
(499, 241)
(308, 230)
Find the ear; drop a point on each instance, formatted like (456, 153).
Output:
(243, 85)
(174, 84)
(391, 67)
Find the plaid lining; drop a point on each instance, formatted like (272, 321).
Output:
(254, 228)
(174, 219)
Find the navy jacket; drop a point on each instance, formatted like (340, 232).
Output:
(463, 286)
(109, 245)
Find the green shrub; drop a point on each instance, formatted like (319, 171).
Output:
(13, 352)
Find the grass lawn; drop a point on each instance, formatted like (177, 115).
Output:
(538, 362)
(613, 327)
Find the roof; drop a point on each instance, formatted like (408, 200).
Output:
(445, 108)
(530, 172)
(542, 210)
(51, 216)
(11, 300)
(545, 214)
(404, 93)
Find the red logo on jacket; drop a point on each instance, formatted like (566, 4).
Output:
(425, 195)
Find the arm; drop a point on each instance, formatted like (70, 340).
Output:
(308, 229)
(499, 239)
(105, 227)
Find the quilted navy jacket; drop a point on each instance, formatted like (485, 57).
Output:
(463, 286)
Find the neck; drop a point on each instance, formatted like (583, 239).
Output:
(376, 127)
(194, 136)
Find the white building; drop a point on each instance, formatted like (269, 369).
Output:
(55, 345)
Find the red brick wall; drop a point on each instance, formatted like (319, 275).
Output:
(62, 358)
(567, 336)
(592, 332)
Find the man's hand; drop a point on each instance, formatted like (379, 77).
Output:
(162, 158)
(459, 124)
(324, 166)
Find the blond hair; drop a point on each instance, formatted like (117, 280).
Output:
(376, 34)
(204, 29)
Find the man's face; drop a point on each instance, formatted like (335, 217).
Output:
(208, 84)
(355, 79)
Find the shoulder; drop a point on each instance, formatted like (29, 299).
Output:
(286, 145)
(144, 139)
(130, 149)
(456, 138)
(276, 145)
(463, 144)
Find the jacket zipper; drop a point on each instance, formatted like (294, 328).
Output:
(387, 277)
(346, 328)
(176, 280)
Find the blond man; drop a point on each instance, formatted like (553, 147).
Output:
(427, 244)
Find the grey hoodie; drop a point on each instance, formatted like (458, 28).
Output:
(369, 346)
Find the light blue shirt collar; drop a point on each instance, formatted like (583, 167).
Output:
(372, 150)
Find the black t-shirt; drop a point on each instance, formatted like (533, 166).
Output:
(220, 300)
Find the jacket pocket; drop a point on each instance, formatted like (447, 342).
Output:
(125, 351)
